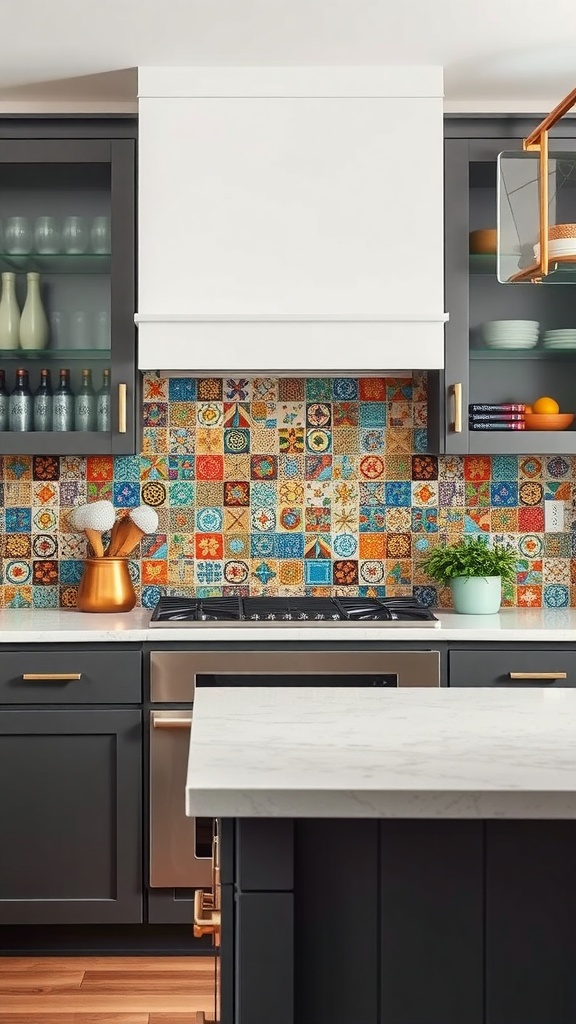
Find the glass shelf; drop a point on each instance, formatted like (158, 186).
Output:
(55, 354)
(485, 263)
(60, 263)
(521, 353)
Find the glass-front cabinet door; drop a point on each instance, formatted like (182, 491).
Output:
(67, 339)
(510, 379)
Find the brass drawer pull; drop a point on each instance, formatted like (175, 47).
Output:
(207, 917)
(122, 392)
(47, 677)
(456, 391)
(171, 723)
(538, 675)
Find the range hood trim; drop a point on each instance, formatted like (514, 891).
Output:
(320, 346)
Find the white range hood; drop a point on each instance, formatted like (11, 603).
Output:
(290, 220)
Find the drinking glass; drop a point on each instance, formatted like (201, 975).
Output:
(75, 235)
(18, 236)
(47, 238)
(59, 335)
(100, 235)
(102, 329)
(79, 330)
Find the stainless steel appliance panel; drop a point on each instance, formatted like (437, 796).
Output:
(174, 838)
(174, 673)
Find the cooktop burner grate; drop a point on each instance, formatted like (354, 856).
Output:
(291, 610)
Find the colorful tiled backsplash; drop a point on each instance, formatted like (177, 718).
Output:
(283, 486)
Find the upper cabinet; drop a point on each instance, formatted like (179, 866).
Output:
(501, 345)
(290, 219)
(67, 258)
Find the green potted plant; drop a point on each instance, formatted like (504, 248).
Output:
(474, 573)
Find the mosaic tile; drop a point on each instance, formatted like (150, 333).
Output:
(45, 572)
(398, 519)
(504, 467)
(99, 491)
(318, 467)
(182, 389)
(420, 439)
(44, 520)
(504, 520)
(477, 521)
(556, 596)
(264, 440)
(45, 467)
(558, 467)
(262, 519)
(236, 389)
(181, 492)
(236, 520)
(236, 545)
(291, 389)
(155, 388)
(425, 494)
(154, 440)
(345, 467)
(372, 389)
(556, 570)
(317, 518)
(264, 493)
(181, 520)
(210, 389)
(317, 545)
(504, 493)
(477, 467)
(180, 545)
(372, 518)
(347, 414)
(209, 520)
(126, 494)
(424, 520)
(371, 440)
(209, 467)
(263, 467)
(530, 492)
(557, 545)
(289, 545)
(400, 440)
(181, 441)
(451, 467)
(18, 571)
(424, 467)
(531, 520)
(19, 492)
(45, 597)
(18, 467)
(18, 520)
(530, 467)
(18, 596)
(155, 414)
(557, 490)
(345, 545)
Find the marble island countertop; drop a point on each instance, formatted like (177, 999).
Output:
(35, 625)
(363, 753)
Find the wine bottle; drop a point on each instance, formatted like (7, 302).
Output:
(4, 402)
(9, 313)
(43, 402)
(85, 404)
(103, 403)
(63, 404)
(20, 403)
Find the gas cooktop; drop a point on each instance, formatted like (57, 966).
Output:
(292, 611)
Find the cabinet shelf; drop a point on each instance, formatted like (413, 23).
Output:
(522, 354)
(60, 263)
(59, 355)
(55, 442)
(485, 264)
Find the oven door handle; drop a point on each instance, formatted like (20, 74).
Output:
(170, 723)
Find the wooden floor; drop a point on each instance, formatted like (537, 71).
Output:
(106, 990)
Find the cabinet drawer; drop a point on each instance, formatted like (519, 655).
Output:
(524, 667)
(70, 677)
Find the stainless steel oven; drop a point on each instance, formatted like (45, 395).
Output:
(181, 847)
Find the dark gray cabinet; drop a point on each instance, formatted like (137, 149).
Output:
(65, 169)
(473, 296)
(70, 787)
(511, 666)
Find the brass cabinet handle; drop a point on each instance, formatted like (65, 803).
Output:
(456, 392)
(46, 677)
(122, 392)
(171, 723)
(207, 918)
(538, 675)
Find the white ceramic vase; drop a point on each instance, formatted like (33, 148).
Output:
(33, 322)
(9, 313)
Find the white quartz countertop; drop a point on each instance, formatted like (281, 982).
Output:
(363, 753)
(29, 626)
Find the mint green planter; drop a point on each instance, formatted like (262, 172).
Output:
(476, 595)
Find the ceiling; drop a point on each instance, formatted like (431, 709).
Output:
(497, 54)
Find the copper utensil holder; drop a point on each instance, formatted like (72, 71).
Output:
(106, 586)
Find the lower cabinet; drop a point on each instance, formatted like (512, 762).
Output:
(70, 816)
(510, 666)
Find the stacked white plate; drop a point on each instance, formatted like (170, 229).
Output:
(510, 334)
(559, 341)
(558, 247)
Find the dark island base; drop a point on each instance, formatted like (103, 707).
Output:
(398, 922)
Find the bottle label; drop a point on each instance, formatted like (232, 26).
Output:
(62, 412)
(103, 413)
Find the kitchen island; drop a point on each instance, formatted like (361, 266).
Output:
(392, 857)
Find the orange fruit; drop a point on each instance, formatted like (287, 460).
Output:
(546, 405)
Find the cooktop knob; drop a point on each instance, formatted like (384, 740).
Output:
(302, 615)
(254, 616)
(287, 616)
(271, 616)
(335, 616)
(319, 615)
